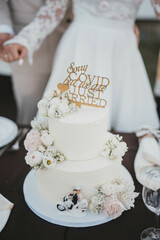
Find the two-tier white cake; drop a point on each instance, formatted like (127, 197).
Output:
(80, 137)
(78, 163)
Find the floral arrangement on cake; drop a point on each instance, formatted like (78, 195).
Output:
(55, 104)
(113, 198)
(110, 199)
(114, 147)
(42, 154)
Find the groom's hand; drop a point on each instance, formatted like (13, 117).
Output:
(14, 52)
(3, 38)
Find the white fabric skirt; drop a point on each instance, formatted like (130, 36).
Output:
(110, 52)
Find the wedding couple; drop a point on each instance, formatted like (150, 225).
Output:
(100, 36)
(74, 201)
(75, 197)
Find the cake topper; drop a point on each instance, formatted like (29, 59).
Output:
(75, 202)
(82, 88)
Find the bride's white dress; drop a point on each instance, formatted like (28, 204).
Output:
(102, 36)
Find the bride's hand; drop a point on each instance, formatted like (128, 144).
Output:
(14, 52)
(137, 33)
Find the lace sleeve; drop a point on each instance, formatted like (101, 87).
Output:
(46, 20)
(156, 6)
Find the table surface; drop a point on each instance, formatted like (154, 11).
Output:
(24, 224)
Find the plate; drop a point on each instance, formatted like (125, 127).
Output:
(8, 131)
(48, 211)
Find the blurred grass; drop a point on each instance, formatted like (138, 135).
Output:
(150, 46)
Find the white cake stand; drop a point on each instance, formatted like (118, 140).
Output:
(47, 211)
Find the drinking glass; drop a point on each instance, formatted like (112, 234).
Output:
(151, 199)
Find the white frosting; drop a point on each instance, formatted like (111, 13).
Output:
(84, 115)
(57, 182)
(81, 135)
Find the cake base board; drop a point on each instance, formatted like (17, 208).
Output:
(48, 211)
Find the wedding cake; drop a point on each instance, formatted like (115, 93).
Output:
(78, 163)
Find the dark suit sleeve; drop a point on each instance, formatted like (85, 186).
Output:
(75, 199)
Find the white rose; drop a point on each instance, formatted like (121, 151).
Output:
(43, 112)
(49, 162)
(47, 139)
(34, 158)
(108, 189)
(43, 103)
(49, 95)
(63, 108)
(119, 188)
(35, 125)
(51, 111)
(43, 107)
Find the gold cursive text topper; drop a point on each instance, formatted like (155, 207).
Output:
(83, 88)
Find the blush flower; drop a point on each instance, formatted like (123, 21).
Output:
(34, 158)
(32, 141)
(113, 207)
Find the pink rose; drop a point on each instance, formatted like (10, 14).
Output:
(113, 207)
(32, 141)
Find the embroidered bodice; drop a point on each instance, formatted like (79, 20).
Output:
(109, 9)
(50, 15)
